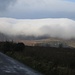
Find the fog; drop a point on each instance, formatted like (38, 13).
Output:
(52, 27)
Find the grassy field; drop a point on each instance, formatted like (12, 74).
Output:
(49, 61)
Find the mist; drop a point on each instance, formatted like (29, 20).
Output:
(51, 27)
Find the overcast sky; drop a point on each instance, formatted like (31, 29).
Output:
(54, 18)
(29, 9)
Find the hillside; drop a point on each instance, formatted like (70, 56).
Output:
(70, 43)
(47, 60)
(32, 41)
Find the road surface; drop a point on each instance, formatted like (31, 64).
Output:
(9, 66)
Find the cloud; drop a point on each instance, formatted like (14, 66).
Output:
(5, 4)
(41, 9)
(58, 27)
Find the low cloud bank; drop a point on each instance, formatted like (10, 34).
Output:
(52, 27)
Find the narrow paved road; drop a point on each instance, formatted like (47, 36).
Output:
(9, 66)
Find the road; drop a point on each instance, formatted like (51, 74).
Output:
(9, 66)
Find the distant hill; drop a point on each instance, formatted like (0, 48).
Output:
(38, 42)
(32, 41)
